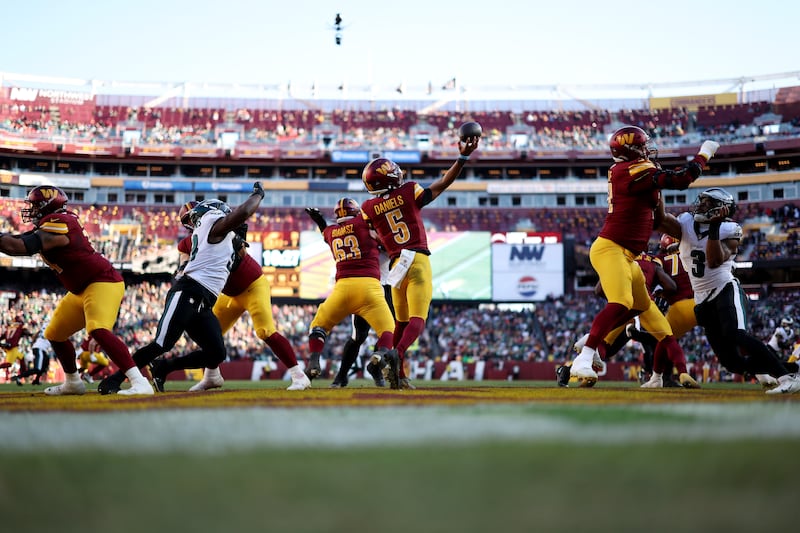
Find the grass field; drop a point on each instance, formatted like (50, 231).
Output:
(468, 456)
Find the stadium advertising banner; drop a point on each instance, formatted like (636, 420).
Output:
(158, 185)
(280, 260)
(350, 156)
(527, 266)
(403, 156)
(460, 263)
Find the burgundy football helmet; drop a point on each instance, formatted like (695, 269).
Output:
(43, 200)
(630, 143)
(346, 207)
(668, 243)
(183, 214)
(381, 175)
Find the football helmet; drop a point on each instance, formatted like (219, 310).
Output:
(787, 322)
(197, 212)
(630, 143)
(668, 243)
(345, 208)
(381, 175)
(710, 201)
(183, 214)
(43, 200)
(218, 204)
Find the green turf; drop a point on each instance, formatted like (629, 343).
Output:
(744, 486)
(581, 479)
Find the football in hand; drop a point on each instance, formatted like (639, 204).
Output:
(469, 129)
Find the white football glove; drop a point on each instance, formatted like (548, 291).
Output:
(708, 149)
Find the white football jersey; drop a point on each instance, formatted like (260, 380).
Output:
(692, 250)
(780, 339)
(40, 342)
(209, 264)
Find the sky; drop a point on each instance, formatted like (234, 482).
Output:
(411, 42)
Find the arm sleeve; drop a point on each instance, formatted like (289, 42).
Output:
(317, 217)
(678, 178)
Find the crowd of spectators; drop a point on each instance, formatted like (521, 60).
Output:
(393, 127)
(771, 228)
(540, 332)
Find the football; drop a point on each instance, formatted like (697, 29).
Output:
(469, 129)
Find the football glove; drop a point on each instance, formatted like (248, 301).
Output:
(708, 149)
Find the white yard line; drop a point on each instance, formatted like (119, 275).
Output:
(214, 430)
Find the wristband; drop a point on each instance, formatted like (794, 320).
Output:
(463, 158)
(713, 231)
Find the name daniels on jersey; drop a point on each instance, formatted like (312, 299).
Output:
(388, 204)
(347, 229)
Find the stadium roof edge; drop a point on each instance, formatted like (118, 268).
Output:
(401, 91)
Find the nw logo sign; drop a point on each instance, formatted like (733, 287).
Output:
(526, 253)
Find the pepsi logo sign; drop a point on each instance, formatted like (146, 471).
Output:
(527, 286)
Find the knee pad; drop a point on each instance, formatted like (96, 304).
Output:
(318, 333)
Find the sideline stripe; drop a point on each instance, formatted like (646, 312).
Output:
(212, 431)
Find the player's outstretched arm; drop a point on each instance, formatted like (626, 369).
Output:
(238, 216)
(465, 147)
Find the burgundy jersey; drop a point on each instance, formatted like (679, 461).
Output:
(672, 265)
(396, 218)
(185, 246)
(354, 250)
(90, 345)
(246, 272)
(76, 265)
(649, 270)
(632, 199)
(13, 334)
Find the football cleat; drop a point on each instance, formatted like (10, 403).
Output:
(687, 381)
(406, 384)
(157, 373)
(375, 369)
(139, 387)
(211, 380)
(788, 384)
(339, 382)
(767, 382)
(299, 382)
(597, 364)
(112, 384)
(562, 376)
(314, 369)
(656, 381)
(67, 388)
(391, 367)
(582, 370)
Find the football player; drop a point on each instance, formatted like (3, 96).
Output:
(94, 287)
(709, 242)
(782, 338)
(359, 332)
(246, 290)
(41, 359)
(190, 300)
(635, 182)
(91, 355)
(9, 341)
(394, 214)
(357, 290)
